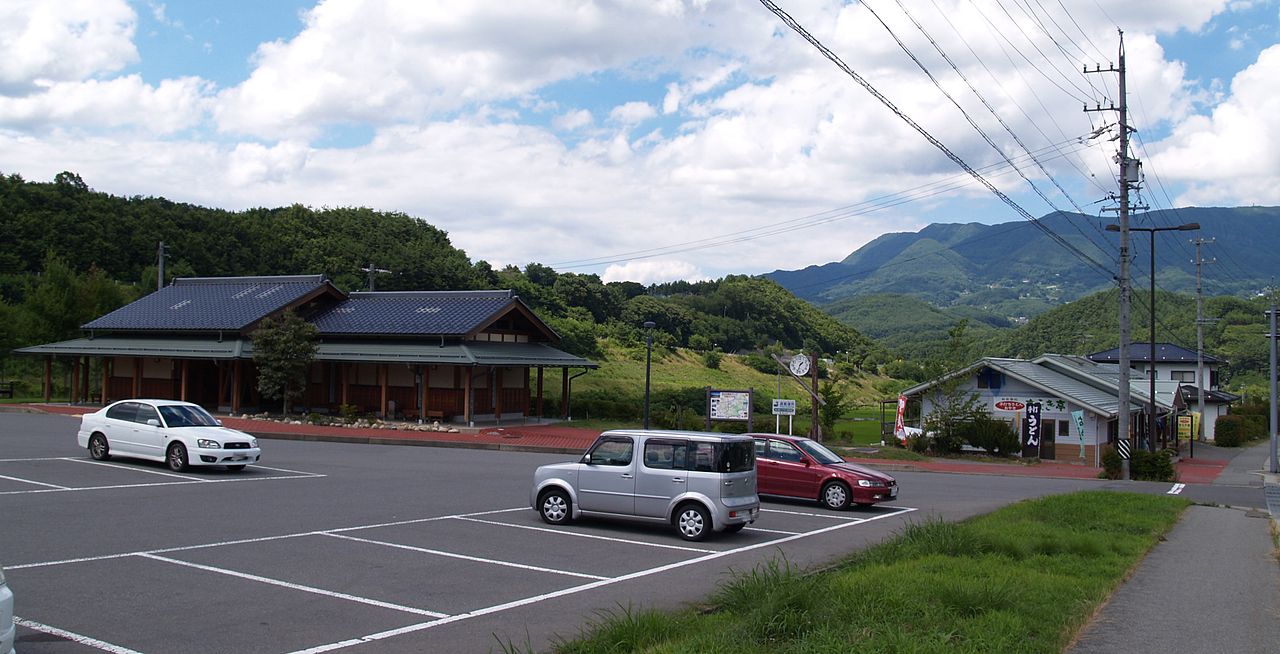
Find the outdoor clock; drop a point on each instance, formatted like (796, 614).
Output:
(799, 365)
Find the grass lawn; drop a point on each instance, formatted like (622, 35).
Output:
(1025, 578)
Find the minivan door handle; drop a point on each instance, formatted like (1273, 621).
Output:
(627, 475)
(677, 480)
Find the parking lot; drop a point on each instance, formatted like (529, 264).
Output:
(328, 547)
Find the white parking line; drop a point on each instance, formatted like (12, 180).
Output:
(1176, 489)
(297, 472)
(293, 586)
(382, 635)
(464, 557)
(36, 458)
(131, 468)
(833, 516)
(28, 481)
(74, 637)
(562, 532)
(158, 483)
(772, 531)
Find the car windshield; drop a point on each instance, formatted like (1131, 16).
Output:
(176, 415)
(819, 451)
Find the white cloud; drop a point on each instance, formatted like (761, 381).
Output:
(62, 41)
(653, 272)
(572, 120)
(173, 105)
(632, 113)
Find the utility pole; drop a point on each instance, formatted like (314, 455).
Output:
(371, 269)
(1129, 177)
(1202, 384)
(1275, 463)
(160, 254)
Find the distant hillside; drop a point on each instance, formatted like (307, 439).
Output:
(1014, 269)
(910, 326)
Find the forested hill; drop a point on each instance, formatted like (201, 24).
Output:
(1013, 269)
(70, 254)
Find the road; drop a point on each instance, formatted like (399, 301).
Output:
(364, 548)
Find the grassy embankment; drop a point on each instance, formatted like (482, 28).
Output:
(621, 373)
(1025, 578)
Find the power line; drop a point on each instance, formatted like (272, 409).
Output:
(831, 56)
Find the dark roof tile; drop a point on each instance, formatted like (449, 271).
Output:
(210, 303)
(436, 313)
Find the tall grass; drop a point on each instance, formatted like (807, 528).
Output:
(1025, 578)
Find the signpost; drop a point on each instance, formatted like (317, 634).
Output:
(783, 408)
(728, 406)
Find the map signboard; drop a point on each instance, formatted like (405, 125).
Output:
(729, 405)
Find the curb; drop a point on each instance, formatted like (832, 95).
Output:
(375, 440)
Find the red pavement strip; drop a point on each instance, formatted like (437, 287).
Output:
(573, 440)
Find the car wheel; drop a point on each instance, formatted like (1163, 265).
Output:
(733, 529)
(693, 521)
(98, 448)
(835, 495)
(177, 457)
(554, 507)
(235, 468)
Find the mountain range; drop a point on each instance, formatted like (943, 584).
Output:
(1014, 270)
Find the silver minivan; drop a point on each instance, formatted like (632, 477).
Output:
(700, 482)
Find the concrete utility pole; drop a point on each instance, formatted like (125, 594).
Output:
(372, 270)
(1202, 384)
(1275, 462)
(1129, 177)
(160, 253)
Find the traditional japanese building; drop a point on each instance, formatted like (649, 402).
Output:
(449, 355)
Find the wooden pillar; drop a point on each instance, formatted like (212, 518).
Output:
(424, 376)
(183, 392)
(106, 380)
(48, 379)
(85, 379)
(467, 407)
(382, 381)
(497, 394)
(235, 386)
(344, 375)
(137, 376)
(539, 405)
(73, 393)
(564, 393)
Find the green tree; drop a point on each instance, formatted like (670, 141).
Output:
(283, 350)
(833, 406)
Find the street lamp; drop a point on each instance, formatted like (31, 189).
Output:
(1151, 345)
(648, 359)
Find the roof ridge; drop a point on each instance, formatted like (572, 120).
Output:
(279, 279)
(370, 295)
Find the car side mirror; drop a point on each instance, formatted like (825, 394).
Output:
(218, 421)
(586, 458)
(806, 463)
(153, 422)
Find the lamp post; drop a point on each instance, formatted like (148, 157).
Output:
(1151, 345)
(648, 359)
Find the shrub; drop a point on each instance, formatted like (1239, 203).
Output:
(1111, 462)
(1229, 431)
(712, 358)
(1152, 466)
(997, 437)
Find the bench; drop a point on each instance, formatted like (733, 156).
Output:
(6, 389)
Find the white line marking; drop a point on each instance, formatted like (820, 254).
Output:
(1176, 489)
(576, 589)
(38, 458)
(773, 531)
(132, 469)
(562, 532)
(28, 481)
(833, 516)
(158, 483)
(293, 586)
(242, 541)
(298, 472)
(83, 640)
(464, 557)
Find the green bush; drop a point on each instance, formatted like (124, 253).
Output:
(1111, 462)
(1229, 431)
(712, 358)
(997, 437)
(1152, 466)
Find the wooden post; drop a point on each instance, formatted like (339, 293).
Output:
(85, 379)
(137, 376)
(106, 380)
(497, 394)
(73, 393)
(382, 381)
(467, 407)
(48, 379)
(183, 392)
(235, 386)
(564, 393)
(539, 405)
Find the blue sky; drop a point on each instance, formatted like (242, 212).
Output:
(638, 139)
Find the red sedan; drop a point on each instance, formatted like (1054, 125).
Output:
(792, 466)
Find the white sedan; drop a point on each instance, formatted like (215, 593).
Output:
(178, 433)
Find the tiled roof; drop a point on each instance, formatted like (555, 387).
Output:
(412, 313)
(210, 303)
(1165, 352)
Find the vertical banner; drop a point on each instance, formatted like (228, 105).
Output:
(1077, 417)
(1031, 434)
(899, 429)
